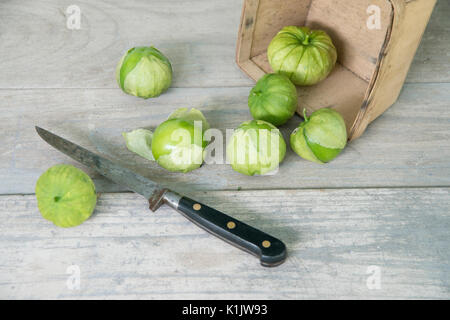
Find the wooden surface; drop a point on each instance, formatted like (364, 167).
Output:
(383, 203)
(333, 237)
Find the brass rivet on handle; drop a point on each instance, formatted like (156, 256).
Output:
(231, 225)
(266, 243)
(197, 206)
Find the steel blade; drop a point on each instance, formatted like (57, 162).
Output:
(120, 175)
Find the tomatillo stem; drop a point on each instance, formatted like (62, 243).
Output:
(304, 115)
(306, 40)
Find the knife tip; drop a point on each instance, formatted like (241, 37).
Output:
(39, 129)
(41, 132)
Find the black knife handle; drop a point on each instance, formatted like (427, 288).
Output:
(270, 250)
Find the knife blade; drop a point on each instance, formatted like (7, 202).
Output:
(270, 250)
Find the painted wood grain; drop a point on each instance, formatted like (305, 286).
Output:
(336, 238)
(39, 51)
(199, 37)
(406, 146)
(432, 55)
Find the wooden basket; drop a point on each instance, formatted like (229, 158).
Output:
(373, 60)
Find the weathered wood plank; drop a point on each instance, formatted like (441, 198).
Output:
(432, 60)
(333, 236)
(39, 51)
(406, 146)
(199, 37)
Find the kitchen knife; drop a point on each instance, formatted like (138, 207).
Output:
(270, 250)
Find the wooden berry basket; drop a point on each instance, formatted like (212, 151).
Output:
(373, 59)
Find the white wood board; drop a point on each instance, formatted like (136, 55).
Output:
(198, 36)
(406, 146)
(337, 240)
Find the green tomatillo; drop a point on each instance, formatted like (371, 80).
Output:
(65, 195)
(305, 56)
(273, 99)
(321, 137)
(256, 148)
(144, 72)
(177, 144)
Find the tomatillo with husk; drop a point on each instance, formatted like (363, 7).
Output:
(144, 72)
(321, 137)
(65, 195)
(303, 55)
(256, 148)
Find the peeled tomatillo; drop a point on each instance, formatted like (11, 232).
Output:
(273, 99)
(177, 144)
